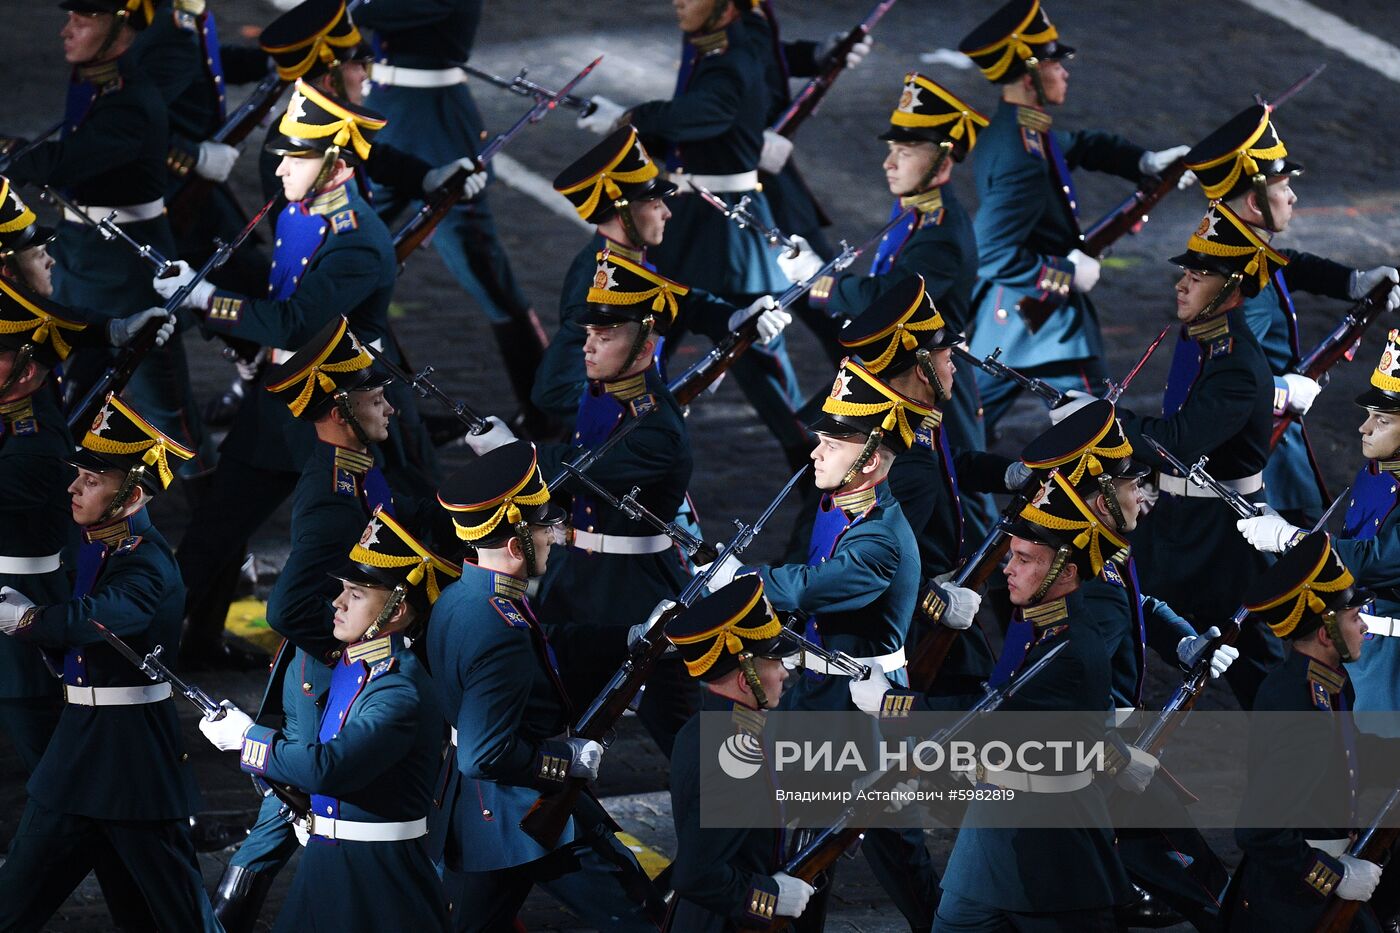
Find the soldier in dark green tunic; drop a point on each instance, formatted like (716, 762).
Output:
(370, 764)
(729, 878)
(115, 722)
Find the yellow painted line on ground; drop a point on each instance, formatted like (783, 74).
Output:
(247, 618)
(652, 861)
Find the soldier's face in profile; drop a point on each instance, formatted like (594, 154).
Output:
(373, 411)
(1130, 501)
(650, 219)
(83, 35)
(1353, 631)
(1281, 201)
(91, 494)
(832, 457)
(605, 350)
(356, 608)
(945, 369)
(691, 14)
(34, 266)
(1054, 79)
(1380, 435)
(907, 164)
(543, 537)
(1026, 568)
(772, 675)
(298, 175)
(1194, 292)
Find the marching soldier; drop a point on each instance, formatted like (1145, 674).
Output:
(1243, 164)
(371, 763)
(712, 131)
(334, 257)
(504, 697)
(328, 383)
(1217, 403)
(114, 721)
(1309, 599)
(420, 89)
(111, 158)
(1027, 222)
(728, 879)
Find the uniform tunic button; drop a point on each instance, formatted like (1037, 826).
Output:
(486, 813)
(335, 654)
(80, 659)
(329, 810)
(306, 687)
(184, 756)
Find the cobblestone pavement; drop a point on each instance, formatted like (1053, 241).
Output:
(1159, 72)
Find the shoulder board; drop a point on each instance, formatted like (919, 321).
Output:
(642, 404)
(1053, 631)
(508, 611)
(184, 20)
(383, 667)
(1111, 574)
(346, 482)
(344, 221)
(1031, 140)
(112, 86)
(126, 545)
(1221, 347)
(1321, 699)
(23, 427)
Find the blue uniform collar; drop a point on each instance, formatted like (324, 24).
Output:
(861, 501)
(355, 461)
(114, 533)
(1215, 328)
(615, 248)
(624, 390)
(329, 202)
(925, 202)
(502, 584)
(1030, 117)
(373, 650)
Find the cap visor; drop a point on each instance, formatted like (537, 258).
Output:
(1380, 401)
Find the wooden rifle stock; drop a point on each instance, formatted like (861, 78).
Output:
(715, 363)
(1373, 846)
(810, 97)
(1127, 217)
(1342, 343)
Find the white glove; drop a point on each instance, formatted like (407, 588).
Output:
(793, 895)
(962, 606)
(1017, 475)
(215, 161)
(1187, 179)
(777, 149)
(1191, 648)
(724, 574)
(498, 436)
(1359, 880)
(641, 628)
(475, 181)
(248, 369)
(1267, 533)
(1363, 281)
(1302, 392)
(226, 733)
(1086, 271)
(897, 800)
(853, 58)
(588, 754)
(1138, 772)
(804, 265)
(771, 319)
(1075, 399)
(121, 330)
(13, 606)
(868, 695)
(1155, 163)
(605, 115)
(199, 297)
(302, 830)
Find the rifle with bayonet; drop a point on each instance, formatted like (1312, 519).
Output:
(629, 505)
(586, 458)
(548, 816)
(435, 207)
(426, 388)
(527, 88)
(116, 376)
(1196, 474)
(1129, 216)
(1116, 389)
(8, 158)
(744, 219)
(108, 229)
(295, 800)
(995, 368)
(1341, 344)
(705, 371)
(815, 858)
(1373, 845)
(810, 97)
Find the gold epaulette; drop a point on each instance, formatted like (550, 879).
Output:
(624, 390)
(1389, 466)
(748, 721)
(1327, 677)
(855, 503)
(617, 249)
(330, 202)
(376, 649)
(353, 460)
(509, 587)
(1033, 119)
(1209, 330)
(110, 535)
(711, 43)
(928, 202)
(18, 416)
(1046, 614)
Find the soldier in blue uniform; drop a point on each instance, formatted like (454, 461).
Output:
(504, 697)
(371, 764)
(1244, 165)
(115, 721)
(419, 87)
(111, 157)
(334, 258)
(329, 384)
(1289, 873)
(1027, 221)
(1217, 403)
(729, 878)
(904, 340)
(712, 132)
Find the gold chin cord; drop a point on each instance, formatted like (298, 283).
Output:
(925, 361)
(639, 341)
(337, 79)
(1260, 184)
(629, 223)
(750, 673)
(342, 404)
(1033, 67)
(945, 152)
(323, 177)
(1334, 632)
(1110, 497)
(1057, 565)
(22, 357)
(123, 496)
(864, 456)
(396, 596)
(527, 546)
(1227, 290)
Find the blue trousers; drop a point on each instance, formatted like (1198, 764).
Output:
(960, 915)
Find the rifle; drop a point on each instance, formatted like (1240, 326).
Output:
(425, 388)
(1374, 846)
(999, 370)
(435, 207)
(548, 816)
(744, 219)
(525, 88)
(7, 158)
(586, 458)
(116, 376)
(108, 229)
(1116, 389)
(1198, 476)
(810, 97)
(628, 505)
(1341, 344)
(295, 800)
(186, 202)
(813, 860)
(705, 371)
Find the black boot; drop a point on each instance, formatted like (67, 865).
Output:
(240, 896)
(522, 344)
(1147, 912)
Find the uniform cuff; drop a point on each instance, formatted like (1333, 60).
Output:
(897, 703)
(761, 899)
(552, 761)
(181, 158)
(934, 603)
(1280, 397)
(821, 291)
(1053, 279)
(225, 308)
(1324, 873)
(257, 748)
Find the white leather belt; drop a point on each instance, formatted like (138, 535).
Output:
(353, 831)
(116, 696)
(619, 544)
(1333, 847)
(744, 181)
(1384, 626)
(1036, 783)
(888, 662)
(20, 566)
(398, 76)
(130, 214)
(1180, 486)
